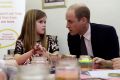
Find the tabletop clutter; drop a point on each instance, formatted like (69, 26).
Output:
(66, 68)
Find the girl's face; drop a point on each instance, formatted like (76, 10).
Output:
(41, 25)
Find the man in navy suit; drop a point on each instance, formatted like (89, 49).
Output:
(100, 40)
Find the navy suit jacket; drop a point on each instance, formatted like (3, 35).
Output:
(104, 42)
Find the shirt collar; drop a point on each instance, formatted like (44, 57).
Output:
(87, 35)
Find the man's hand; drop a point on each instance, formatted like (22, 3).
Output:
(116, 63)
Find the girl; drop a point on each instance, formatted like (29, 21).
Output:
(33, 31)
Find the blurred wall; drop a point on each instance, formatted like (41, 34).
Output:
(102, 11)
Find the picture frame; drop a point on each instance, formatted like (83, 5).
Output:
(49, 4)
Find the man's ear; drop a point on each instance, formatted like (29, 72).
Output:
(84, 20)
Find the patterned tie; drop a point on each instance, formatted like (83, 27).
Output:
(83, 47)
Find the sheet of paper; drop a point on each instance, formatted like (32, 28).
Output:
(103, 73)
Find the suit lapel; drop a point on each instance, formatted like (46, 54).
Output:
(93, 38)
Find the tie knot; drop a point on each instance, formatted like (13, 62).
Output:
(82, 37)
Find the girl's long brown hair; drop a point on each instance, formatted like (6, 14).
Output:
(28, 32)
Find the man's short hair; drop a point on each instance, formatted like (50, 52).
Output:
(80, 10)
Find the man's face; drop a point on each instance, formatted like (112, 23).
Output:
(74, 25)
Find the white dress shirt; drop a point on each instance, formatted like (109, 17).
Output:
(87, 39)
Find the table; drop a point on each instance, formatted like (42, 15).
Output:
(88, 77)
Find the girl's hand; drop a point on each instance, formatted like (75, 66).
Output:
(40, 51)
(37, 49)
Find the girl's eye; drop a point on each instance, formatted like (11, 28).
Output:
(40, 21)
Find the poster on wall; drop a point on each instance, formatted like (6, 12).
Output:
(11, 18)
(48, 4)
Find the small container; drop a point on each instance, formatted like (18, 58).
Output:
(39, 60)
(37, 70)
(8, 57)
(11, 67)
(53, 60)
(86, 63)
(33, 72)
(68, 56)
(67, 69)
